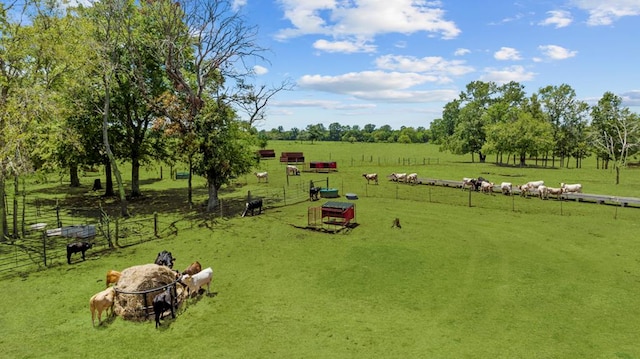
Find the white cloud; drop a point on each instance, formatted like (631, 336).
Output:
(325, 104)
(559, 18)
(507, 74)
(606, 12)
(507, 53)
(343, 46)
(237, 4)
(631, 98)
(432, 65)
(461, 52)
(365, 18)
(363, 81)
(554, 52)
(260, 70)
(392, 96)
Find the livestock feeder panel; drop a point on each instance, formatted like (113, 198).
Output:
(322, 167)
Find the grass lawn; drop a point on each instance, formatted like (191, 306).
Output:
(485, 281)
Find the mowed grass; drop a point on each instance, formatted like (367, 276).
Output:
(455, 281)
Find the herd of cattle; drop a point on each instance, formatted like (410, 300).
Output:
(192, 279)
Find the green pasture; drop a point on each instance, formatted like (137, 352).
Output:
(502, 278)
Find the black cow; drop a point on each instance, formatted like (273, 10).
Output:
(253, 205)
(76, 247)
(165, 258)
(478, 183)
(161, 303)
(314, 192)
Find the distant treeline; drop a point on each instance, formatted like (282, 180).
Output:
(346, 133)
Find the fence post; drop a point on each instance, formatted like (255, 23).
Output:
(155, 224)
(284, 195)
(59, 223)
(44, 247)
(469, 197)
(117, 232)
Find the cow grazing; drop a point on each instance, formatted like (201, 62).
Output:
(371, 177)
(262, 176)
(314, 193)
(555, 191)
(165, 258)
(506, 188)
(113, 276)
(293, 170)
(193, 268)
(571, 188)
(412, 178)
(468, 182)
(161, 303)
(198, 280)
(543, 192)
(487, 187)
(77, 247)
(399, 177)
(102, 301)
(252, 206)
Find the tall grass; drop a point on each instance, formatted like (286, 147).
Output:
(486, 281)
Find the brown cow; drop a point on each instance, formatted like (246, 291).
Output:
(112, 277)
(193, 268)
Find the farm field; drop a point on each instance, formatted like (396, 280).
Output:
(503, 278)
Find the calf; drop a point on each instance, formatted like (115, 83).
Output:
(193, 268)
(468, 182)
(412, 178)
(398, 177)
(543, 192)
(252, 206)
(506, 188)
(77, 247)
(314, 193)
(165, 258)
(161, 303)
(102, 301)
(196, 281)
(113, 276)
(262, 175)
(293, 170)
(555, 191)
(487, 187)
(371, 177)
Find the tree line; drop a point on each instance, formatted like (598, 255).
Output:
(125, 80)
(552, 125)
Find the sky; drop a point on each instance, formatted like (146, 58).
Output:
(398, 62)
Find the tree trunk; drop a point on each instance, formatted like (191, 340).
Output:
(73, 175)
(4, 230)
(617, 174)
(190, 189)
(213, 200)
(112, 159)
(523, 160)
(135, 177)
(16, 193)
(482, 157)
(108, 182)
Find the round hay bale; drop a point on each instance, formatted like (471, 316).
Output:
(139, 282)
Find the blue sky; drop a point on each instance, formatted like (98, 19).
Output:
(397, 62)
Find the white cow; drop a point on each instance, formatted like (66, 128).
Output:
(468, 182)
(506, 188)
(399, 177)
(371, 177)
(543, 192)
(412, 178)
(555, 191)
(262, 175)
(196, 281)
(293, 170)
(571, 188)
(487, 187)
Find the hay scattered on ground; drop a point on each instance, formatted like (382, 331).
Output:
(142, 278)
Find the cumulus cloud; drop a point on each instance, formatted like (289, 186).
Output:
(429, 65)
(507, 53)
(365, 18)
(631, 98)
(237, 4)
(363, 81)
(344, 46)
(559, 18)
(606, 12)
(325, 104)
(554, 52)
(260, 70)
(507, 74)
(392, 96)
(461, 52)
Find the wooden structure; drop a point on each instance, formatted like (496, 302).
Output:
(292, 157)
(338, 213)
(324, 167)
(266, 153)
